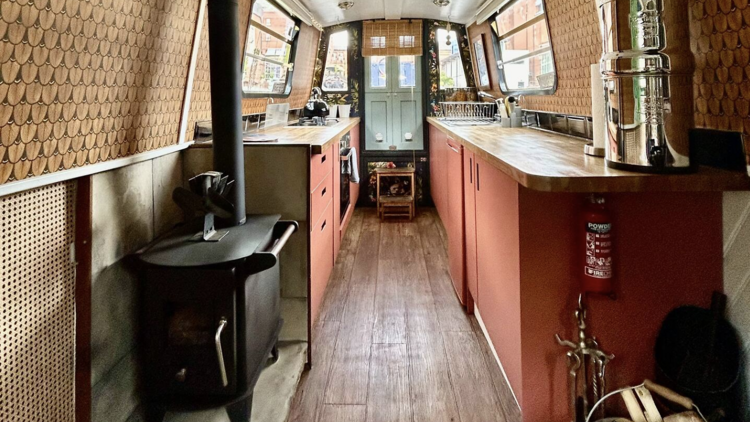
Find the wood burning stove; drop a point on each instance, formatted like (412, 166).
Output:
(211, 315)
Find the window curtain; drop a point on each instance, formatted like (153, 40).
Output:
(432, 68)
(355, 65)
(392, 38)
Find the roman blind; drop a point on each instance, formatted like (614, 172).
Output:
(392, 38)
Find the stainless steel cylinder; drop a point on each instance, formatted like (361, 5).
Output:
(647, 68)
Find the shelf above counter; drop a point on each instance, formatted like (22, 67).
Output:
(548, 162)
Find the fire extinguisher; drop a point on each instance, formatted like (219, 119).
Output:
(597, 262)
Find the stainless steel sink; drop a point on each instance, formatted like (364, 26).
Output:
(328, 123)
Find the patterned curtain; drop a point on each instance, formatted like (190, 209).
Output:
(355, 66)
(434, 95)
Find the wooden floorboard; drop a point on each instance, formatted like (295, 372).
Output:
(452, 316)
(507, 401)
(348, 380)
(431, 390)
(309, 398)
(343, 413)
(393, 343)
(475, 393)
(338, 287)
(388, 398)
(390, 306)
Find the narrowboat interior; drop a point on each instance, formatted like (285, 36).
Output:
(374, 210)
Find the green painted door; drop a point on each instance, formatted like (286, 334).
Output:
(393, 110)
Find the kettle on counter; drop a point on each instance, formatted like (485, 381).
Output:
(315, 107)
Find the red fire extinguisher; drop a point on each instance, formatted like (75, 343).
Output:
(597, 265)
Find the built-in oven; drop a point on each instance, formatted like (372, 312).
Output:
(345, 173)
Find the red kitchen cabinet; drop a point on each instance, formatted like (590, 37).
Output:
(454, 223)
(470, 230)
(498, 265)
(438, 171)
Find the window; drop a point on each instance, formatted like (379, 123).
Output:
(378, 70)
(407, 71)
(449, 56)
(268, 64)
(523, 48)
(335, 73)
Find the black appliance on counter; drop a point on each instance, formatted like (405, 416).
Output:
(345, 151)
(211, 315)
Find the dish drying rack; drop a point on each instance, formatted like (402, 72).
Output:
(468, 113)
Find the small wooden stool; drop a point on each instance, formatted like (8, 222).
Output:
(396, 206)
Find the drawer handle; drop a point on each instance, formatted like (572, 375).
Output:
(323, 193)
(323, 226)
(323, 159)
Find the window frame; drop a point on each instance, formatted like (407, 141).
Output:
(292, 50)
(325, 63)
(497, 38)
(460, 56)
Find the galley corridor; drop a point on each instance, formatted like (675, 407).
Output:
(392, 343)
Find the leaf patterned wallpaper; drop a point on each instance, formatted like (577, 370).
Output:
(87, 81)
(719, 39)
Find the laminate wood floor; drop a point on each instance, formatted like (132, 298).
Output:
(392, 343)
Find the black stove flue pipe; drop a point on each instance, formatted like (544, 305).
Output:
(226, 99)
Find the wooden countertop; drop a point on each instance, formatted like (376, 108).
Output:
(318, 138)
(555, 163)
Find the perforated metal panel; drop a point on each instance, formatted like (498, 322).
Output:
(37, 305)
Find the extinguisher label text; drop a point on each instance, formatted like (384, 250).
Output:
(598, 250)
(599, 227)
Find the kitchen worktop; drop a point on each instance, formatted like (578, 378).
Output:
(548, 162)
(319, 138)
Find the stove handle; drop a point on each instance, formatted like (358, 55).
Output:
(279, 244)
(220, 353)
(261, 261)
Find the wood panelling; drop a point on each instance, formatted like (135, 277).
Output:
(89, 81)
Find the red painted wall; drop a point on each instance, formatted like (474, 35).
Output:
(668, 253)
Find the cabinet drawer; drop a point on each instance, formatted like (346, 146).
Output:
(321, 259)
(320, 198)
(320, 165)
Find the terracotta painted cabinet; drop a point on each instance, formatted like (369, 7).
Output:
(327, 227)
(470, 228)
(321, 225)
(498, 267)
(454, 224)
(447, 189)
(438, 170)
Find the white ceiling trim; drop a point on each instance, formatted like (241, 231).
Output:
(394, 11)
(328, 13)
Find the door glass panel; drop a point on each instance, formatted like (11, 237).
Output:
(407, 69)
(378, 70)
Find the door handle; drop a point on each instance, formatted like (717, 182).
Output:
(477, 177)
(471, 173)
(220, 353)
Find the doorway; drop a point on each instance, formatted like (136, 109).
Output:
(393, 98)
